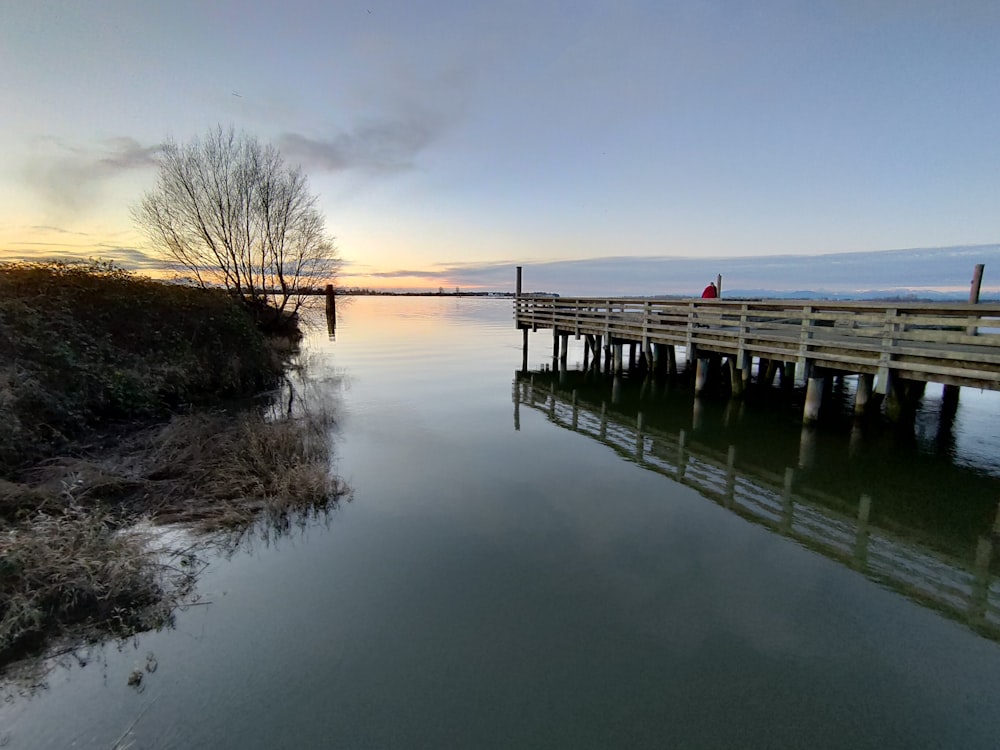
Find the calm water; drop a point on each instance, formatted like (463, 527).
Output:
(508, 575)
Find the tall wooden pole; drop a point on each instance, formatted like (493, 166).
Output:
(517, 289)
(977, 282)
(718, 284)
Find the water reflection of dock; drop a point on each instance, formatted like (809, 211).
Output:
(963, 588)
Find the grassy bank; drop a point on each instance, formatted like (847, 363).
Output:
(82, 347)
(107, 389)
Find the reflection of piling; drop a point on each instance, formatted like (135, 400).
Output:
(787, 501)
(861, 538)
(731, 476)
(517, 406)
(640, 440)
(979, 598)
(807, 447)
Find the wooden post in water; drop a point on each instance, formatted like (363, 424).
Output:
(863, 394)
(950, 395)
(517, 289)
(735, 378)
(773, 366)
(701, 374)
(718, 284)
(814, 400)
(331, 310)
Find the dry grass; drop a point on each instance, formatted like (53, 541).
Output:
(72, 564)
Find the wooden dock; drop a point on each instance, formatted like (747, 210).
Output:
(890, 345)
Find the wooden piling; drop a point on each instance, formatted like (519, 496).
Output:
(735, 378)
(977, 282)
(863, 394)
(814, 400)
(773, 366)
(701, 374)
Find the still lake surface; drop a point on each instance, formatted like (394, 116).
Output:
(520, 567)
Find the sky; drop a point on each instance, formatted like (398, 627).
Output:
(632, 147)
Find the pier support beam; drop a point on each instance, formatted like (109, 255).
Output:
(814, 400)
(701, 374)
(735, 378)
(773, 366)
(788, 375)
(863, 394)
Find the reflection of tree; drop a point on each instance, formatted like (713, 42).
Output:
(110, 547)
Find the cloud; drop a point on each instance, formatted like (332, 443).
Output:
(127, 257)
(384, 146)
(69, 176)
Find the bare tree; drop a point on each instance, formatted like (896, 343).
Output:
(230, 211)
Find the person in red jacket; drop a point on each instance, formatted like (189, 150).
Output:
(711, 292)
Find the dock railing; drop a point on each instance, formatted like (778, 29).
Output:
(956, 344)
